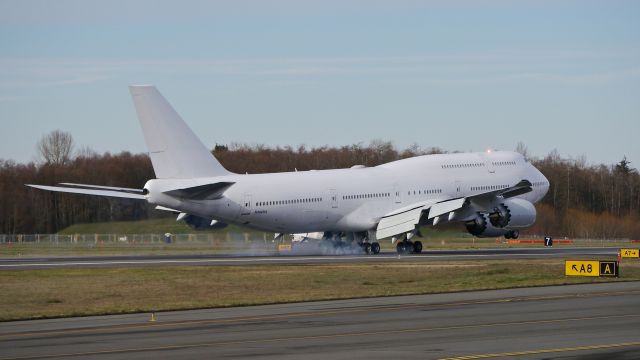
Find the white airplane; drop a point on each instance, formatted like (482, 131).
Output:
(492, 192)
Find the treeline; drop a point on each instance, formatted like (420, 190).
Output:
(27, 210)
(584, 201)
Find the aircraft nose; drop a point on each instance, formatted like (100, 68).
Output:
(545, 185)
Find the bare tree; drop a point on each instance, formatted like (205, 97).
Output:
(55, 147)
(522, 149)
(86, 151)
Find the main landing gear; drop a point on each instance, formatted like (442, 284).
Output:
(409, 247)
(371, 248)
(512, 234)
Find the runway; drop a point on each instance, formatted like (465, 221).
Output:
(568, 322)
(217, 260)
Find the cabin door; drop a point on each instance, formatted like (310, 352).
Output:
(333, 198)
(397, 198)
(246, 205)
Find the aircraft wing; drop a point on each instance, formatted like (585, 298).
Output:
(105, 191)
(448, 206)
(406, 219)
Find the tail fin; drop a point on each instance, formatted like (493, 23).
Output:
(175, 151)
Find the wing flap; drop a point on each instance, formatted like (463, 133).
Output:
(445, 207)
(399, 222)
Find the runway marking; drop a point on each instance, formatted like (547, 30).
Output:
(269, 260)
(544, 351)
(327, 336)
(114, 328)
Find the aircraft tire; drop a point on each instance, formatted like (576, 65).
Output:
(375, 248)
(417, 247)
(367, 248)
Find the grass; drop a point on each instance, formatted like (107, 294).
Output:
(100, 248)
(29, 294)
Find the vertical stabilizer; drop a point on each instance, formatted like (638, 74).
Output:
(175, 151)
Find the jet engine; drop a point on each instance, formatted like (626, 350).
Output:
(513, 213)
(481, 226)
(503, 219)
(199, 223)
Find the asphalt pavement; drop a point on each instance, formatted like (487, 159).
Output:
(595, 321)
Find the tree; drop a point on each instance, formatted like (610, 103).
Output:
(55, 147)
(623, 166)
(522, 149)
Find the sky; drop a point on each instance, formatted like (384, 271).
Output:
(459, 75)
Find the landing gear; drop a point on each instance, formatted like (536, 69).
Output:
(417, 247)
(408, 247)
(370, 248)
(375, 248)
(512, 234)
(367, 248)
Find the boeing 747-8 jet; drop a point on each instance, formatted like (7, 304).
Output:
(492, 192)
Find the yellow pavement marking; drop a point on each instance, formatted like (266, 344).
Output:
(544, 351)
(386, 333)
(160, 324)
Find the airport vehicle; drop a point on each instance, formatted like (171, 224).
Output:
(492, 192)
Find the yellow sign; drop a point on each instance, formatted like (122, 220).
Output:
(590, 268)
(284, 247)
(582, 268)
(629, 253)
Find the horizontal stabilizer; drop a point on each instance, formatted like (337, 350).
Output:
(98, 192)
(201, 192)
(101, 187)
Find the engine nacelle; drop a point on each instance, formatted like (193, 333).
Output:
(199, 223)
(513, 213)
(481, 226)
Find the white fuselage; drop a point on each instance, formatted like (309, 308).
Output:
(351, 199)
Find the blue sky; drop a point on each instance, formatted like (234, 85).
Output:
(460, 75)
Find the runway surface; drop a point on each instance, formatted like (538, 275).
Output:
(213, 260)
(569, 322)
